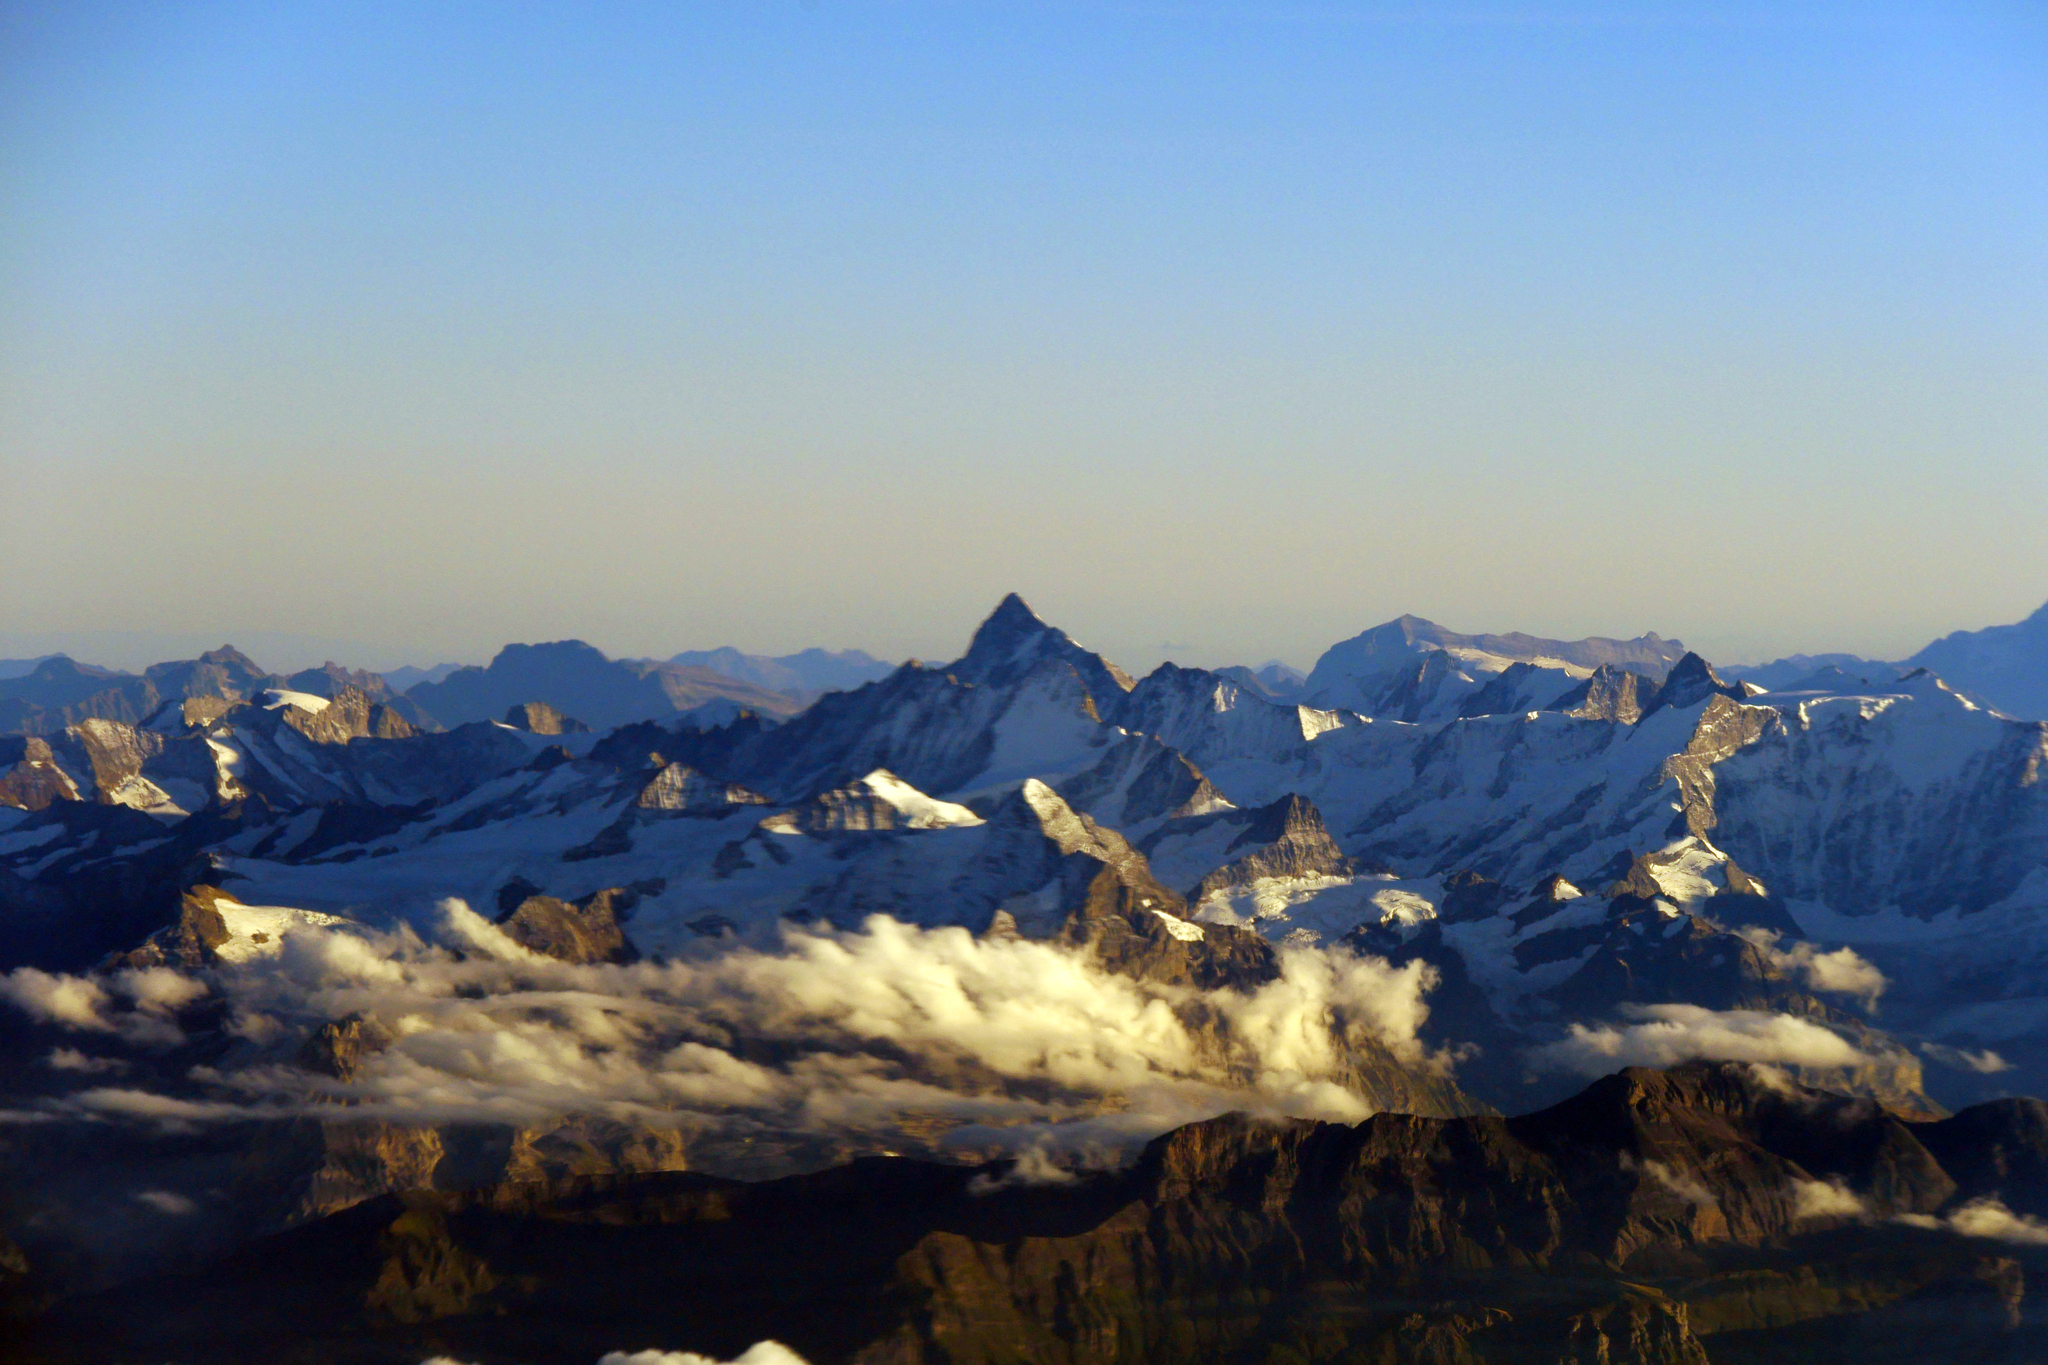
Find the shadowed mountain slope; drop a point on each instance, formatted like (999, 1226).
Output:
(1710, 1213)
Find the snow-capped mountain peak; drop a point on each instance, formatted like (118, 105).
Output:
(1013, 641)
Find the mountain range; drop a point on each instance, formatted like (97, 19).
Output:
(303, 981)
(2002, 667)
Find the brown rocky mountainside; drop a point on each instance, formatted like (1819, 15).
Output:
(1709, 1214)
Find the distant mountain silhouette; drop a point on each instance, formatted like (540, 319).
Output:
(578, 680)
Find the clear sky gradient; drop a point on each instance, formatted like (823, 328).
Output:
(1222, 331)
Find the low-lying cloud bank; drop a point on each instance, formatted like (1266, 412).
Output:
(1667, 1035)
(872, 1031)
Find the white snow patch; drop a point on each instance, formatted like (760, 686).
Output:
(1402, 907)
(258, 930)
(277, 698)
(924, 812)
(1320, 909)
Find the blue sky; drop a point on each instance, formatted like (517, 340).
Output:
(1220, 331)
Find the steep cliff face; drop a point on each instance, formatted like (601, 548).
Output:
(1710, 1213)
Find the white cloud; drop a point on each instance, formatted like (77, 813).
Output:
(155, 995)
(71, 1059)
(1666, 1035)
(163, 1201)
(75, 1002)
(1985, 1063)
(872, 1032)
(1686, 1187)
(1034, 1166)
(760, 1353)
(1841, 972)
(1817, 1199)
(1986, 1218)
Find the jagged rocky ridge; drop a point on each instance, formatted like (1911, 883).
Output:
(1712, 1213)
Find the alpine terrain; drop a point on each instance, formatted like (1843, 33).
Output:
(1466, 998)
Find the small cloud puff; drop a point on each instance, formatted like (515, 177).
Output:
(1817, 1199)
(1985, 1063)
(1034, 1167)
(1668, 1035)
(163, 1201)
(1841, 972)
(1686, 1187)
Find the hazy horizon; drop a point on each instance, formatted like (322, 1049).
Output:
(285, 653)
(1220, 332)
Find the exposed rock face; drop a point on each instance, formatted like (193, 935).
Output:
(1140, 781)
(337, 1048)
(58, 692)
(1611, 693)
(110, 762)
(681, 789)
(1659, 1219)
(878, 801)
(539, 718)
(1691, 682)
(581, 931)
(192, 940)
(34, 780)
(1284, 840)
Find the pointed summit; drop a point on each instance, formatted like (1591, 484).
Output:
(1692, 680)
(1013, 641)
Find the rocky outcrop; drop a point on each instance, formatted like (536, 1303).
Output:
(1692, 681)
(539, 718)
(59, 693)
(192, 940)
(681, 789)
(580, 931)
(1285, 840)
(351, 713)
(33, 780)
(878, 801)
(1611, 693)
